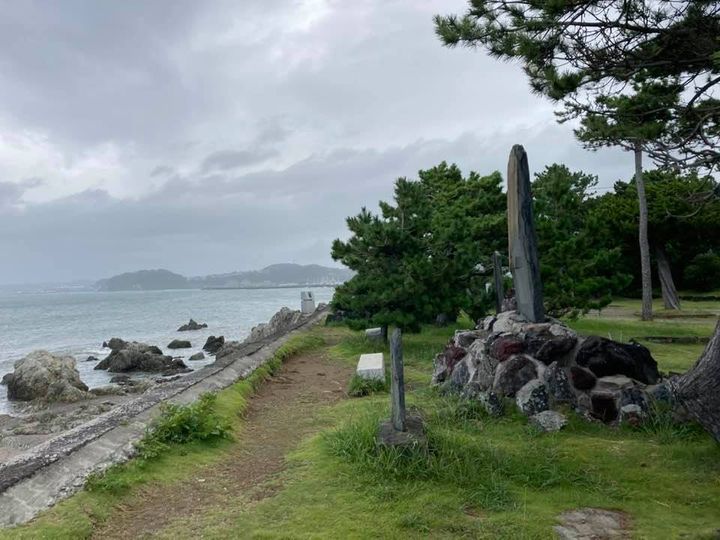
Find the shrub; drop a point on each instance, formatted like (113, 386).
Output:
(181, 424)
(703, 272)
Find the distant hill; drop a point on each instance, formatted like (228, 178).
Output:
(276, 275)
(143, 280)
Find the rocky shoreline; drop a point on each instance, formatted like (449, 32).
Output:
(94, 434)
(57, 402)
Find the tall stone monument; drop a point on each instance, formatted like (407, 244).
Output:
(522, 240)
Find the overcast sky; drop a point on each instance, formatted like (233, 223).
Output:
(213, 136)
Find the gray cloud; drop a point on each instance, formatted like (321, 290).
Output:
(218, 135)
(162, 170)
(225, 160)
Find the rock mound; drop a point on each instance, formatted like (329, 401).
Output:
(44, 376)
(543, 365)
(140, 357)
(192, 325)
(179, 344)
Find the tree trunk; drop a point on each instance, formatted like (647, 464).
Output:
(667, 285)
(698, 391)
(645, 269)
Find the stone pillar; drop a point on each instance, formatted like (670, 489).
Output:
(397, 382)
(522, 240)
(498, 282)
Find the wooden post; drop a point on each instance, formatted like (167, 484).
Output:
(397, 385)
(498, 279)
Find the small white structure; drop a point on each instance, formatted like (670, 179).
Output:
(374, 334)
(307, 302)
(371, 366)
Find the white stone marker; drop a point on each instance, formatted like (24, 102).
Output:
(307, 302)
(374, 334)
(371, 366)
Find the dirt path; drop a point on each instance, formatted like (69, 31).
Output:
(280, 415)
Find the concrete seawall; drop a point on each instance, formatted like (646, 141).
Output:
(40, 477)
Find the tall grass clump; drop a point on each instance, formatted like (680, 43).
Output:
(447, 458)
(662, 423)
(181, 424)
(361, 386)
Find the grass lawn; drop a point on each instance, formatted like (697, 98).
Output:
(481, 478)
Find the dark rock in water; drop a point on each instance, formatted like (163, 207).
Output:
(47, 377)
(120, 379)
(558, 385)
(513, 374)
(192, 325)
(606, 357)
(506, 346)
(604, 406)
(179, 344)
(139, 357)
(92, 359)
(582, 378)
(115, 344)
(197, 356)
(214, 344)
(533, 398)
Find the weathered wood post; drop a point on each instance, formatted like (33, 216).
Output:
(402, 430)
(397, 381)
(522, 240)
(498, 279)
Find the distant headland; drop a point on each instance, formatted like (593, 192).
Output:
(273, 276)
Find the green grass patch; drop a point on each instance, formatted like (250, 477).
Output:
(478, 477)
(361, 386)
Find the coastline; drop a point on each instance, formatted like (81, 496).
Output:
(47, 472)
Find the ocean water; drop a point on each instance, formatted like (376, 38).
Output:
(77, 323)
